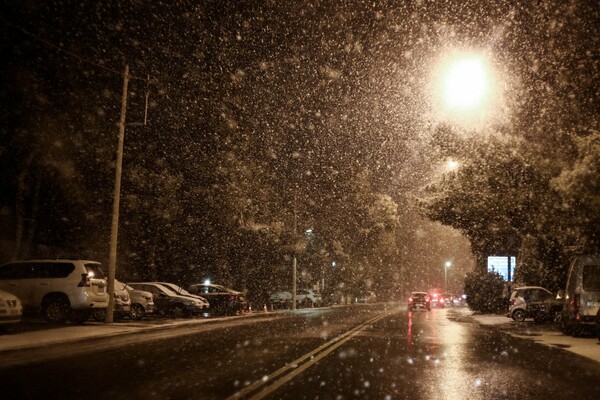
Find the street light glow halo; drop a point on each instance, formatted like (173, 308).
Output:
(465, 88)
(465, 83)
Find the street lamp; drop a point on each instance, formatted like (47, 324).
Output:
(465, 88)
(447, 265)
(452, 165)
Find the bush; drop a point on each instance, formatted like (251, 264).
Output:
(484, 292)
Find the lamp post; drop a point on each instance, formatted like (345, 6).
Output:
(447, 265)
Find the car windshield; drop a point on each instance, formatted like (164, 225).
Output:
(176, 288)
(301, 186)
(591, 277)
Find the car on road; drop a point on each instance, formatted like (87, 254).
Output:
(61, 289)
(436, 299)
(222, 300)
(419, 300)
(122, 306)
(524, 300)
(447, 299)
(182, 292)
(11, 310)
(167, 302)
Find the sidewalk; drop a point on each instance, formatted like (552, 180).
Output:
(588, 347)
(17, 338)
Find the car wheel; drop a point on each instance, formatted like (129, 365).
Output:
(306, 303)
(81, 316)
(598, 325)
(57, 310)
(99, 315)
(178, 311)
(519, 315)
(564, 326)
(137, 312)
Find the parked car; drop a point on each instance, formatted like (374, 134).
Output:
(222, 300)
(11, 310)
(281, 299)
(304, 298)
(309, 297)
(167, 302)
(122, 306)
(182, 292)
(61, 289)
(525, 302)
(142, 303)
(582, 295)
(419, 300)
(366, 297)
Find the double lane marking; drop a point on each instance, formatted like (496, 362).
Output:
(299, 365)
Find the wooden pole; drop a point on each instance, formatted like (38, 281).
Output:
(112, 266)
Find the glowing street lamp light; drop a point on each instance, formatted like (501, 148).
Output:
(447, 265)
(466, 83)
(452, 165)
(465, 88)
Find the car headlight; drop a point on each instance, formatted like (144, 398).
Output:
(190, 303)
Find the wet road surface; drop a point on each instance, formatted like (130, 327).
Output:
(359, 352)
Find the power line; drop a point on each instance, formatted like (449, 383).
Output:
(69, 53)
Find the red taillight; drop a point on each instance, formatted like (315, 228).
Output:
(410, 299)
(85, 281)
(233, 298)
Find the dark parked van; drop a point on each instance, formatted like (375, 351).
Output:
(582, 296)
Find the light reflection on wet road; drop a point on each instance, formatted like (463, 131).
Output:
(423, 355)
(359, 352)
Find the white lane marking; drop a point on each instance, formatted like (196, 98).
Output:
(295, 366)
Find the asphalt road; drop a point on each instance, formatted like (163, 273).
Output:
(359, 352)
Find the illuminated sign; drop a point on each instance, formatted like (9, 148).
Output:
(505, 266)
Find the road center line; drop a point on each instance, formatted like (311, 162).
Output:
(295, 367)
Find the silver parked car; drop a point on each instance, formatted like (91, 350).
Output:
(122, 306)
(142, 303)
(11, 309)
(181, 291)
(167, 302)
(523, 298)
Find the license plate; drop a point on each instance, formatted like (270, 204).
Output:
(593, 303)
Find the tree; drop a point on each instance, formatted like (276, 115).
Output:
(495, 197)
(484, 291)
(579, 188)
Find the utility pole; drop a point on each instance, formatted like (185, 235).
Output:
(294, 264)
(112, 266)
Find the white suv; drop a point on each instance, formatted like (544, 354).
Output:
(61, 289)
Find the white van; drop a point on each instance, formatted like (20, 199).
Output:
(61, 289)
(582, 296)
